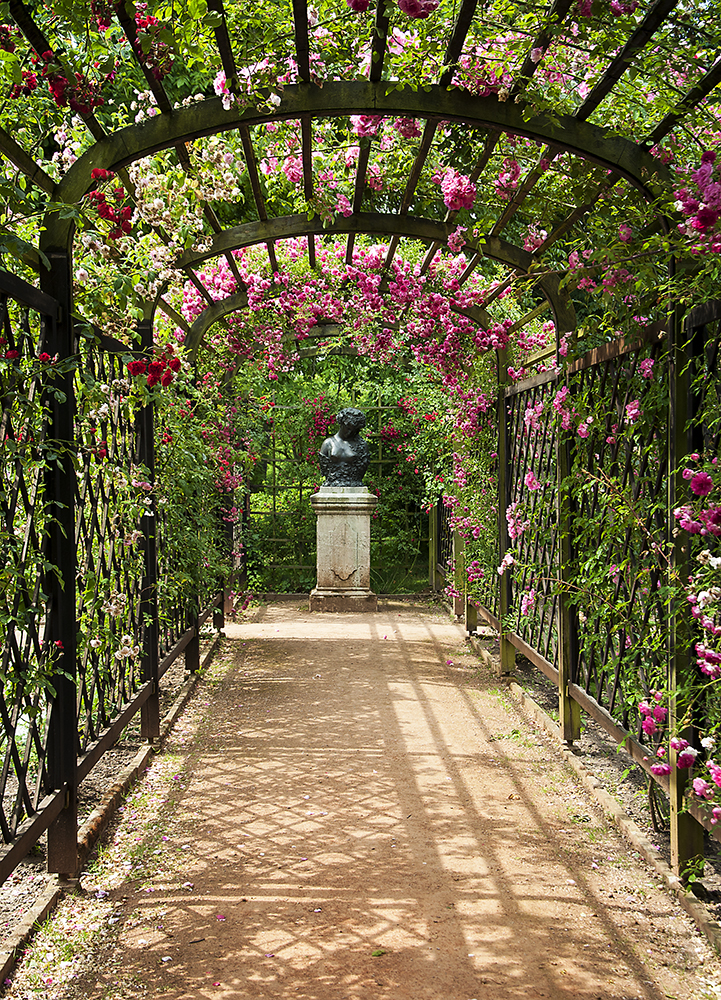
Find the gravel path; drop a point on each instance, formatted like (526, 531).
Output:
(351, 808)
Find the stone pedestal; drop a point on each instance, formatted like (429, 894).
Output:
(344, 549)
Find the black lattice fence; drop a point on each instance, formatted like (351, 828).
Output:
(27, 656)
(618, 526)
(112, 499)
(83, 594)
(596, 573)
(531, 513)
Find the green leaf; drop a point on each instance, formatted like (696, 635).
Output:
(10, 67)
(378, 952)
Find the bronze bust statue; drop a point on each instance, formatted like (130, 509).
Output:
(344, 457)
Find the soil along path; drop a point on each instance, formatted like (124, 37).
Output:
(358, 812)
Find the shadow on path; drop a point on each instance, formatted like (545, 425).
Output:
(357, 786)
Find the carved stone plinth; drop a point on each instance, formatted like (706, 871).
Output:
(344, 549)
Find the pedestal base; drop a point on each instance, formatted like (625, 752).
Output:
(325, 601)
(343, 533)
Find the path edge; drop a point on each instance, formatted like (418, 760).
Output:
(96, 824)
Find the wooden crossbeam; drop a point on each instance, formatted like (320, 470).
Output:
(222, 40)
(576, 215)
(457, 40)
(639, 38)
(254, 177)
(523, 191)
(127, 23)
(302, 46)
(37, 39)
(543, 39)
(690, 100)
(195, 280)
(172, 314)
(25, 163)
(378, 53)
(306, 130)
(380, 40)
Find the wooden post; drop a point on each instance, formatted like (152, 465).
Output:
(192, 650)
(459, 572)
(62, 752)
(505, 596)
(569, 711)
(219, 612)
(433, 546)
(150, 628)
(687, 835)
(471, 621)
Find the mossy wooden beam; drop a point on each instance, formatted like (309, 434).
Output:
(708, 82)
(380, 35)
(25, 163)
(343, 98)
(380, 223)
(424, 230)
(640, 37)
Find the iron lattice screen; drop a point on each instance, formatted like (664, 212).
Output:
(531, 514)
(618, 528)
(25, 675)
(112, 498)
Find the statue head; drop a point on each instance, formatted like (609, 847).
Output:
(344, 457)
(350, 421)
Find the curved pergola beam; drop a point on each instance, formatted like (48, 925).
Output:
(372, 223)
(211, 315)
(340, 99)
(424, 230)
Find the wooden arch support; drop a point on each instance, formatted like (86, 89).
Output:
(621, 156)
(424, 230)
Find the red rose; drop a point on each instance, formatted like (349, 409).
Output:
(137, 367)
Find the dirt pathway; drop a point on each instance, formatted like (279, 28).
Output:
(357, 812)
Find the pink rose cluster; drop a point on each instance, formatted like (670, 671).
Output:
(494, 338)
(515, 522)
(704, 790)
(653, 713)
(475, 572)
(700, 203)
(619, 8)
(417, 9)
(479, 76)
(528, 602)
(560, 401)
(366, 125)
(706, 522)
(703, 522)
(457, 189)
(709, 661)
